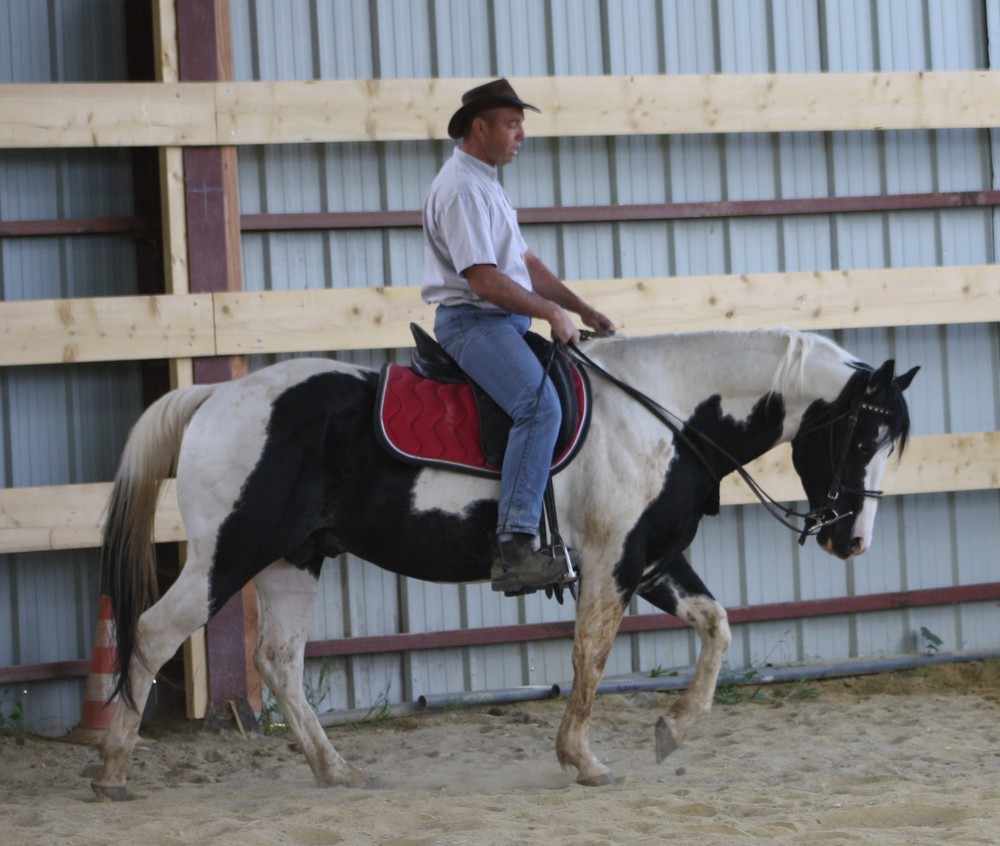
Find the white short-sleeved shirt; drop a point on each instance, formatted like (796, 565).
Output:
(468, 219)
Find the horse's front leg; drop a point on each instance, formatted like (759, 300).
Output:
(599, 613)
(675, 588)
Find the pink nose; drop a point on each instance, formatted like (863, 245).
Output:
(858, 546)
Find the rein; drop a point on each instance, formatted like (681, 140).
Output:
(815, 520)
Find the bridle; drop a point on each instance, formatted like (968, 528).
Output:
(826, 515)
(814, 521)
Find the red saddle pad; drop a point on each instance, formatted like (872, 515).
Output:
(428, 422)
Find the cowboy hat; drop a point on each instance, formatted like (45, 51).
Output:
(492, 95)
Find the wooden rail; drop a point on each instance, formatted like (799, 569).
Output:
(233, 323)
(232, 113)
(70, 516)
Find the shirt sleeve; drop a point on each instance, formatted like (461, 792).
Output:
(464, 225)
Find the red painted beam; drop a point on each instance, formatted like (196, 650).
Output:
(23, 673)
(622, 213)
(323, 221)
(76, 226)
(653, 622)
(211, 202)
(456, 638)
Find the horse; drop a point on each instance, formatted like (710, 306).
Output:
(281, 468)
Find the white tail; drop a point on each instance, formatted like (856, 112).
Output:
(128, 557)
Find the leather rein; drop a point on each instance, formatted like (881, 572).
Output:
(815, 520)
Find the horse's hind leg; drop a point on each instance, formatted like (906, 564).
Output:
(674, 587)
(160, 632)
(599, 612)
(285, 596)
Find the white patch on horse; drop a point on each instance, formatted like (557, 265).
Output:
(619, 472)
(213, 467)
(452, 493)
(864, 523)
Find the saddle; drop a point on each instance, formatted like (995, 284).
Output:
(431, 413)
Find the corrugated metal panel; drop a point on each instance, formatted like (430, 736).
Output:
(923, 541)
(60, 424)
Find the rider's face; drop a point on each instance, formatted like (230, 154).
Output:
(502, 133)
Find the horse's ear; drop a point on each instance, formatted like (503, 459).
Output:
(882, 376)
(904, 381)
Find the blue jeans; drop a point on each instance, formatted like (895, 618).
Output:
(489, 346)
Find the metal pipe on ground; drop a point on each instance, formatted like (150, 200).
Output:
(779, 675)
(489, 697)
(437, 702)
(768, 675)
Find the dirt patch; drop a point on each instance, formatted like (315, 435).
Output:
(900, 758)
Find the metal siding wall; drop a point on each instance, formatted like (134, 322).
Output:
(304, 40)
(406, 43)
(60, 424)
(744, 558)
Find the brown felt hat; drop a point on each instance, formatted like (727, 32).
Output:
(492, 95)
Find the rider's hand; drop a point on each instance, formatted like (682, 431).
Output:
(563, 330)
(601, 324)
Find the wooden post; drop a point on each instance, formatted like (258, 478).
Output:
(213, 238)
(174, 240)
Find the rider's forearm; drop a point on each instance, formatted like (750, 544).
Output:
(499, 289)
(550, 286)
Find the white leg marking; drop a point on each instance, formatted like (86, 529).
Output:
(709, 619)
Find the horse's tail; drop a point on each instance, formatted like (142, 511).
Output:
(128, 559)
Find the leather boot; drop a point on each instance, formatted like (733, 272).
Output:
(521, 569)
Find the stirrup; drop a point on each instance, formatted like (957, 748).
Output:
(553, 543)
(571, 581)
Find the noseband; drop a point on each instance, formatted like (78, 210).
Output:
(815, 520)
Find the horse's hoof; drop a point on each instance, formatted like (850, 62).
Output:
(665, 740)
(600, 780)
(350, 777)
(110, 793)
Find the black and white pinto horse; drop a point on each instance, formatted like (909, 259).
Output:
(281, 468)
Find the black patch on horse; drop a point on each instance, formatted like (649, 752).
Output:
(691, 487)
(322, 486)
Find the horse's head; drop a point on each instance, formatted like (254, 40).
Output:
(841, 452)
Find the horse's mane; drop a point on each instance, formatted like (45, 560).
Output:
(790, 372)
(789, 375)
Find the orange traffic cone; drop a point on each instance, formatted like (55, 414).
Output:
(97, 710)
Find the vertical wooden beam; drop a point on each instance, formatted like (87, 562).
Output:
(159, 271)
(214, 264)
(174, 241)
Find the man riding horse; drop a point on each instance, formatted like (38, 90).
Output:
(487, 286)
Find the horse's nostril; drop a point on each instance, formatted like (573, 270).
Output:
(857, 546)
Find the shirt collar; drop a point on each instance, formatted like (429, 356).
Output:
(486, 170)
